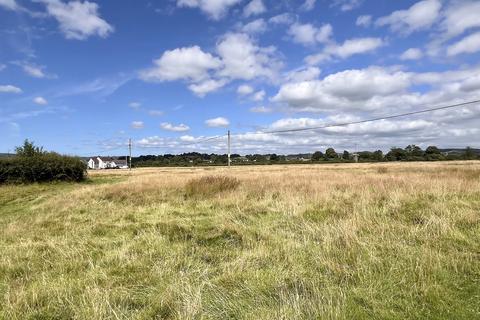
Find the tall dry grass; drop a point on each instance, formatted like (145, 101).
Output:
(290, 242)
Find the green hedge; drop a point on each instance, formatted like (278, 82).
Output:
(42, 167)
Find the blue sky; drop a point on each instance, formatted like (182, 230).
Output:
(81, 77)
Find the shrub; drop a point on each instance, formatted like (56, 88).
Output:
(39, 166)
(210, 185)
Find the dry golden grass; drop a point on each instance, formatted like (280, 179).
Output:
(342, 241)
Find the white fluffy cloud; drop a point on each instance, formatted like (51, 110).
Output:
(259, 96)
(256, 26)
(175, 128)
(244, 89)
(40, 101)
(137, 125)
(78, 20)
(238, 58)
(189, 63)
(378, 90)
(412, 54)
(460, 17)
(215, 9)
(469, 44)
(217, 122)
(207, 86)
(308, 34)
(422, 15)
(349, 48)
(9, 89)
(254, 7)
(243, 59)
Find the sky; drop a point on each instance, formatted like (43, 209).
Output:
(82, 77)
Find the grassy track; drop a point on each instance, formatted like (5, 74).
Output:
(388, 241)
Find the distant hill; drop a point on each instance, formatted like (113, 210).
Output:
(4, 155)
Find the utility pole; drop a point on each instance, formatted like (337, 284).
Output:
(130, 153)
(228, 155)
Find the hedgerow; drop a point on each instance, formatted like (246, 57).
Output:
(32, 164)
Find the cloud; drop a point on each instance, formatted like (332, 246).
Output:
(254, 7)
(189, 63)
(303, 74)
(243, 59)
(378, 90)
(421, 16)
(217, 122)
(348, 48)
(9, 4)
(9, 89)
(347, 5)
(244, 89)
(364, 21)
(256, 26)
(207, 86)
(78, 20)
(308, 34)
(134, 105)
(175, 128)
(40, 101)
(238, 58)
(308, 5)
(259, 96)
(215, 9)
(469, 44)
(284, 18)
(137, 125)
(155, 113)
(459, 17)
(412, 54)
(261, 109)
(331, 93)
(2, 67)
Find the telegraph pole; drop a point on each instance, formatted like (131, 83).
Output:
(130, 153)
(228, 148)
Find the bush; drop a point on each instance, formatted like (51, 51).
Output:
(42, 167)
(210, 185)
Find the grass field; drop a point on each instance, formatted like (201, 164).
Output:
(366, 241)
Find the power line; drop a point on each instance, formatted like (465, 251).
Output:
(367, 120)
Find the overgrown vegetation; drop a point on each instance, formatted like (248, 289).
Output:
(33, 164)
(351, 241)
(210, 185)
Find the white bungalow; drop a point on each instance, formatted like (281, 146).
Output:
(107, 163)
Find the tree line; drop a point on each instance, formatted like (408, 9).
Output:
(409, 153)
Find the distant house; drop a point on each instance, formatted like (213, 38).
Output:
(107, 163)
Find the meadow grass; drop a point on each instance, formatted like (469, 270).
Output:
(345, 241)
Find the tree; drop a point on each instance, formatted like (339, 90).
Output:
(414, 152)
(28, 149)
(469, 154)
(377, 155)
(274, 157)
(396, 154)
(330, 153)
(432, 150)
(346, 155)
(317, 156)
